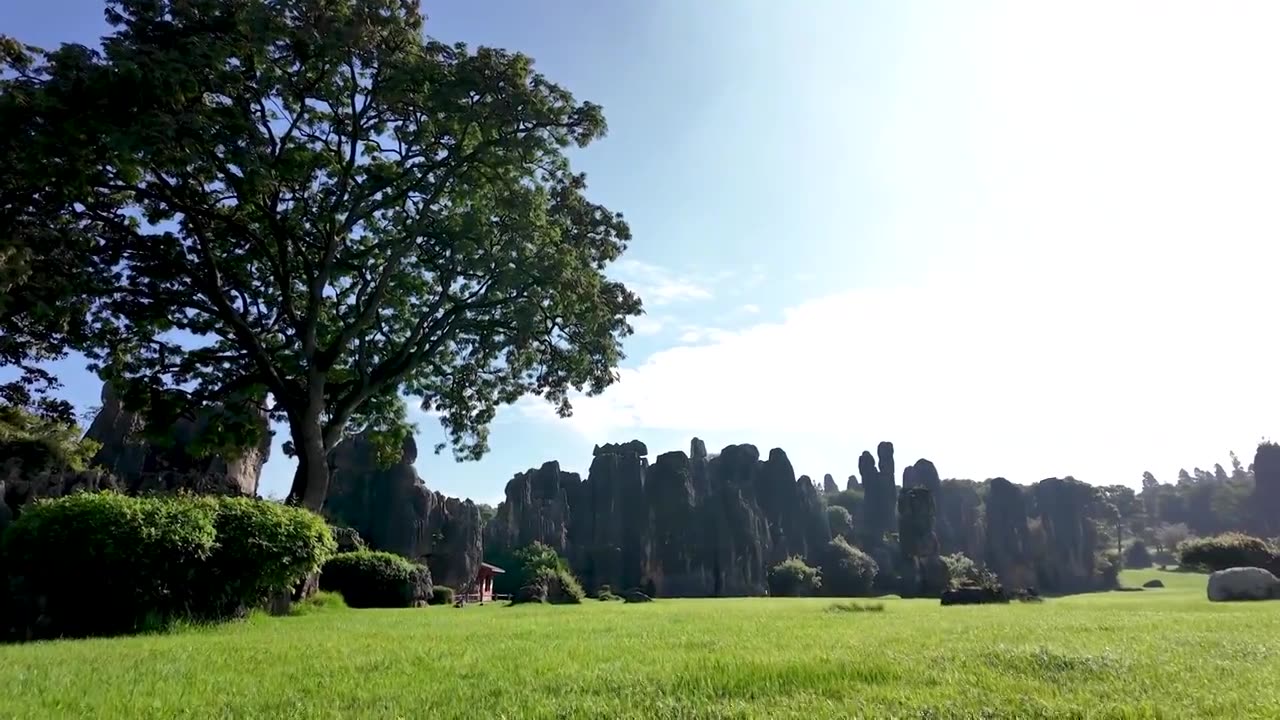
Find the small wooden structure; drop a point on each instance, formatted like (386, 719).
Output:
(481, 588)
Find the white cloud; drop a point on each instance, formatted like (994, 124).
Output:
(658, 286)
(1108, 300)
(648, 325)
(1024, 379)
(751, 309)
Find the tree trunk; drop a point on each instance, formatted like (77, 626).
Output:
(311, 480)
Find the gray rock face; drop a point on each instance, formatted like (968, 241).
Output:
(829, 486)
(879, 508)
(19, 486)
(393, 510)
(1243, 583)
(683, 526)
(1065, 508)
(921, 569)
(1266, 492)
(141, 466)
(634, 447)
(1008, 544)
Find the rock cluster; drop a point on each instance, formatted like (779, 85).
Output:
(687, 525)
(140, 465)
(879, 507)
(393, 510)
(1266, 491)
(1008, 543)
(921, 570)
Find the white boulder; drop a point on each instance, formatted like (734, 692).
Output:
(1243, 583)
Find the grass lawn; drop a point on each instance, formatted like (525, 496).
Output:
(1163, 653)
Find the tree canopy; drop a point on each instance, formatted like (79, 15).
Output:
(312, 202)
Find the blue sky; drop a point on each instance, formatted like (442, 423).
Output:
(1016, 239)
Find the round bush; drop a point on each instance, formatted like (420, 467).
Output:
(846, 570)
(1226, 551)
(441, 595)
(104, 563)
(1137, 556)
(263, 548)
(792, 578)
(374, 579)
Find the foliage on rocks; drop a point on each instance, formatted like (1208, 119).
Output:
(846, 571)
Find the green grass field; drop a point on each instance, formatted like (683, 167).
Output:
(1164, 653)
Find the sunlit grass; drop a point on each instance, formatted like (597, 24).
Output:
(1163, 653)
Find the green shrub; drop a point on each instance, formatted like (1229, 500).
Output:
(374, 579)
(606, 593)
(1227, 551)
(263, 548)
(793, 578)
(104, 563)
(318, 603)
(840, 521)
(1137, 556)
(562, 587)
(846, 570)
(962, 571)
(441, 595)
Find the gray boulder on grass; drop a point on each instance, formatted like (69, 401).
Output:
(1243, 583)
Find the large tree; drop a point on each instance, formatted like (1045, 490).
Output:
(311, 202)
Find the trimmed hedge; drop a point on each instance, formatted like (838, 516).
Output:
(441, 595)
(1228, 550)
(106, 563)
(375, 579)
(263, 548)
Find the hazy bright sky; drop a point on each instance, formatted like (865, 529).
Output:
(1023, 239)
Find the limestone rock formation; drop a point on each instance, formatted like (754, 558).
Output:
(829, 486)
(142, 466)
(960, 525)
(852, 483)
(683, 526)
(921, 569)
(1243, 583)
(1266, 490)
(879, 507)
(20, 486)
(393, 510)
(634, 447)
(1066, 510)
(1008, 548)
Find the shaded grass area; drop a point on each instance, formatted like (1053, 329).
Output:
(1155, 654)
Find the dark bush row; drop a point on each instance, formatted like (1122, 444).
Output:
(105, 563)
(375, 579)
(1227, 551)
